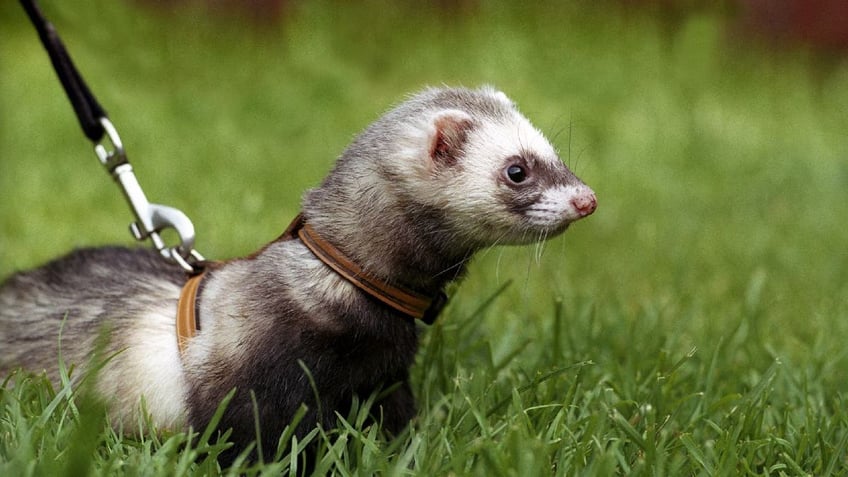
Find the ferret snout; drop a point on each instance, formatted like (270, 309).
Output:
(584, 201)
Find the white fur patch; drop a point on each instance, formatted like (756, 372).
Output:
(497, 141)
(149, 369)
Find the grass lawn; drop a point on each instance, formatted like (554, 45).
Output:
(695, 325)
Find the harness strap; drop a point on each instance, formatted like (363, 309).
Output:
(187, 311)
(403, 300)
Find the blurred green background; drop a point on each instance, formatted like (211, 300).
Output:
(715, 137)
(720, 160)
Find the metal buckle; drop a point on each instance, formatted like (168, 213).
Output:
(150, 218)
(436, 307)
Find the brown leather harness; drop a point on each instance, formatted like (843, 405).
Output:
(405, 301)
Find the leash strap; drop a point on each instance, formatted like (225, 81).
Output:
(85, 105)
(151, 219)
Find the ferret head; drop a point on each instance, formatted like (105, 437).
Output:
(449, 169)
(472, 155)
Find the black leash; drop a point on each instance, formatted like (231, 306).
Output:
(85, 104)
(151, 218)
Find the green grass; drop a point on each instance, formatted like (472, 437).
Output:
(695, 325)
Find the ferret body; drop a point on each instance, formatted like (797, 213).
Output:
(444, 174)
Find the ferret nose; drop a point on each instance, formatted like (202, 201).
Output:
(585, 203)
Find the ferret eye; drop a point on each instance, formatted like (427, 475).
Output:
(516, 174)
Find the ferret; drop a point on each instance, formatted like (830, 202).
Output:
(444, 174)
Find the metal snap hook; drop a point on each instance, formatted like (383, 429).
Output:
(151, 219)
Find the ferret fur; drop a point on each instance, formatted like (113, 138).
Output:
(410, 201)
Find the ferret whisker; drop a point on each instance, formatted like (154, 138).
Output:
(570, 139)
(558, 132)
(454, 267)
(540, 246)
(498, 266)
(527, 271)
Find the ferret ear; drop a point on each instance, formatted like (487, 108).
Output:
(503, 97)
(451, 132)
